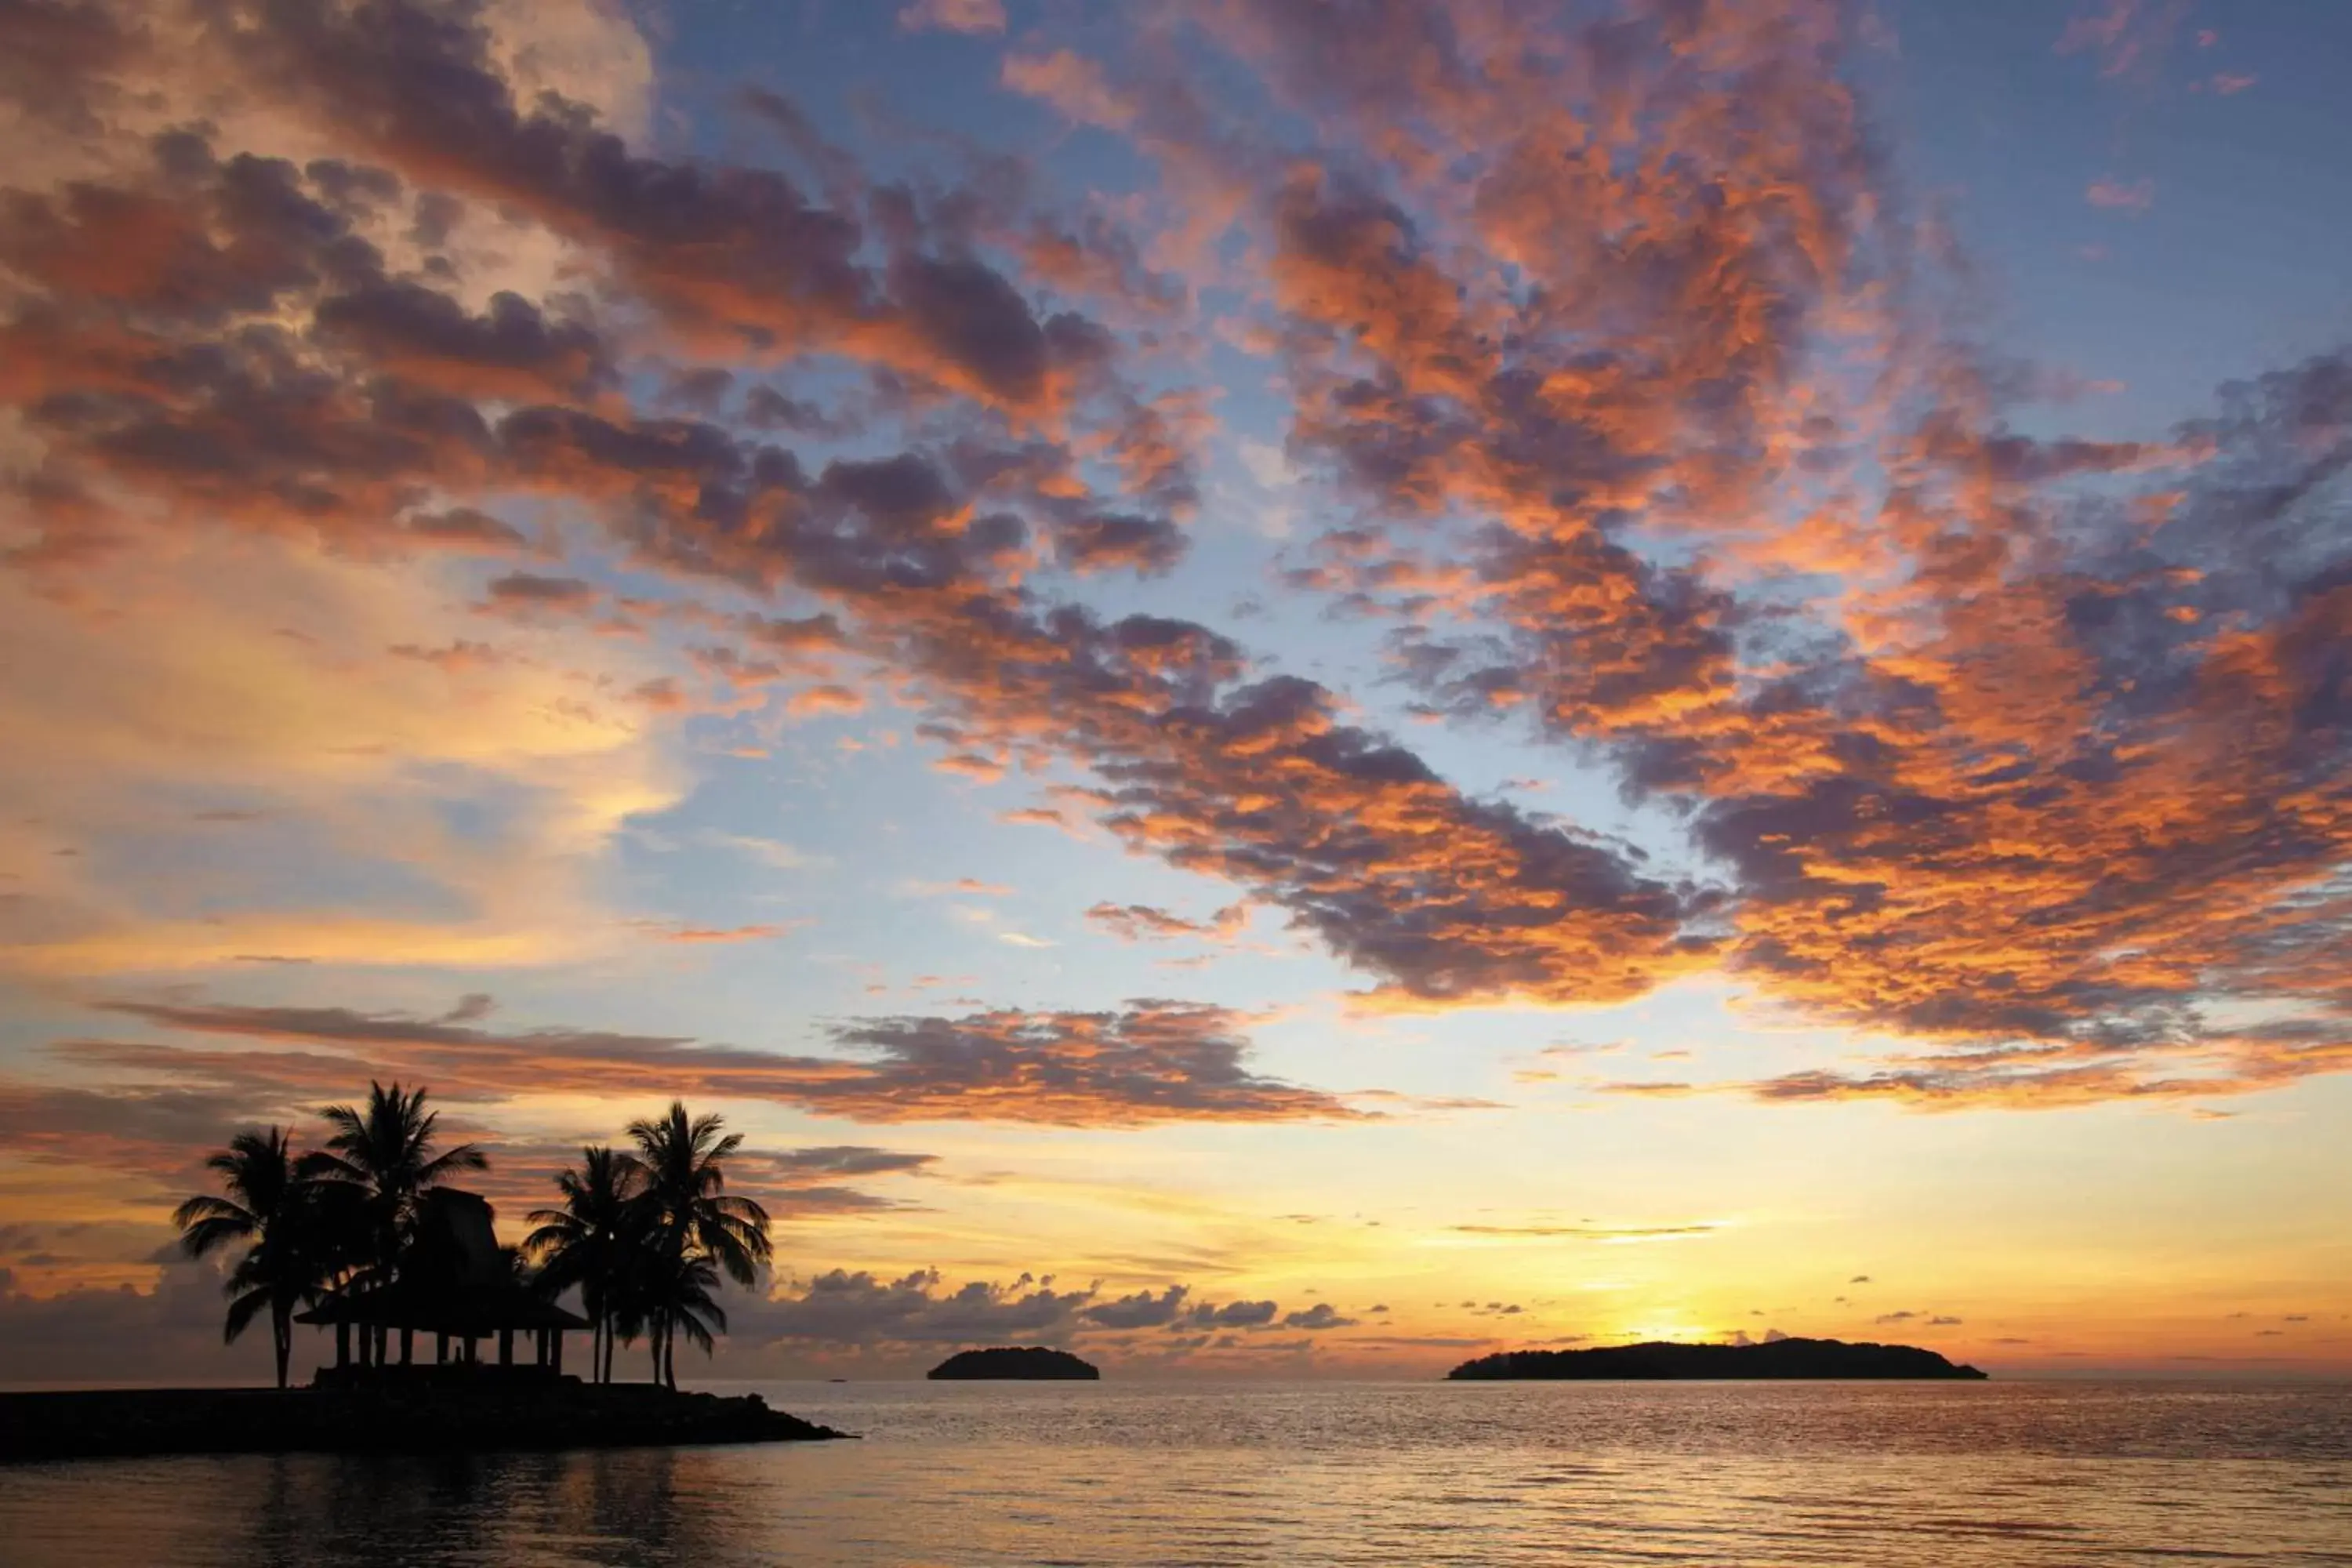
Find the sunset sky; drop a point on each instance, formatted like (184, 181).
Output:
(1268, 686)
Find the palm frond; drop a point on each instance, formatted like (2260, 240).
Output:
(242, 1311)
(207, 1237)
(464, 1157)
(205, 1206)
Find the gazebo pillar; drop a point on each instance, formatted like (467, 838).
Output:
(506, 1347)
(441, 1349)
(407, 1345)
(555, 1350)
(342, 1345)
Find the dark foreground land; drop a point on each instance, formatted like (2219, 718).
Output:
(565, 1414)
(1658, 1361)
(1018, 1362)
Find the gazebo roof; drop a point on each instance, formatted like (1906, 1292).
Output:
(444, 1309)
(456, 1279)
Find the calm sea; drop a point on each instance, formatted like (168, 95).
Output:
(1886, 1476)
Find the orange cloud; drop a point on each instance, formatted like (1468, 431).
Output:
(820, 699)
(1984, 741)
(1143, 922)
(1150, 1062)
(952, 16)
(1968, 813)
(693, 934)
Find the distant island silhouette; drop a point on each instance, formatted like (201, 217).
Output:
(1036, 1362)
(1657, 1360)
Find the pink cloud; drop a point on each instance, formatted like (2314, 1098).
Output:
(952, 16)
(822, 699)
(2121, 195)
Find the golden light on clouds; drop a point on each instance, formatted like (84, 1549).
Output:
(524, 568)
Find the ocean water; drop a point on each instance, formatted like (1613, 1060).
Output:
(1874, 1476)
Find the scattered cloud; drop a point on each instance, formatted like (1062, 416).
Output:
(856, 1308)
(333, 333)
(1143, 1309)
(952, 16)
(695, 933)
(1590, 1233)
(2134, 196)
(2128, 38)
(1154, 1061)
(773, 853)
(1146, 923)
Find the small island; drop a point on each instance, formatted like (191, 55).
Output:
(1018, 1362)
(1658, 1361)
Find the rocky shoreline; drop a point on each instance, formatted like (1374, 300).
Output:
(111, 1423)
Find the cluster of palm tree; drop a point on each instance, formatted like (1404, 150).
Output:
(643, 1235)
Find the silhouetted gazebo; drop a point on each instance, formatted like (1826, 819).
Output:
(458, 1285)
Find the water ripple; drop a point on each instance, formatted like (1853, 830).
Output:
(1997, 1476)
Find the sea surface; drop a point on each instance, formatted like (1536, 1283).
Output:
(1874, 1476)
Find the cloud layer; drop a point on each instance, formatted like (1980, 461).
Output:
(1156, 1062)
(2025, 752)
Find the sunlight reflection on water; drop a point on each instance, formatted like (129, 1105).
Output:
(1955, 1476)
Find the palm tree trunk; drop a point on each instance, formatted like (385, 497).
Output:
(281, 1335)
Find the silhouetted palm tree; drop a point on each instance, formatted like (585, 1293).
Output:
(646, 1237)
(589, 1241)
(671, 1292)
(685, 1189)
(272, 1203)
(384, 1155)
(694, 1229)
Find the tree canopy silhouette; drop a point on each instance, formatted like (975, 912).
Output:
(273, 1204)
(695, 1230)
(590, 1241)
(646, 1237)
